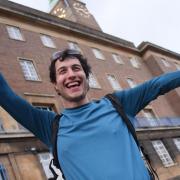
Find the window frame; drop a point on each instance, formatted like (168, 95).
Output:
(135, 62)
(45, 163)
(97, 53)
(46, 107)
(33, 66)
(1, 126)
(165, 62)
(92, 78)
(131, 82)
(74, 45)
(162, 152)
(116, 57)
(155, 118)
(177, 143)
(47, 41)
(116, 82)
(15, 33)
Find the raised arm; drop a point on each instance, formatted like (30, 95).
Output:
(37, 121)
(137, 98)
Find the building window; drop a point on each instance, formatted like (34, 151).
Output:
(131, 82)
(93, 83)
(45, 159)
(114, 83)
(98, 54)
(29, 70)
(166, 63)
(3, 173)
(177, 66)
(1, 126)
(117, 58)
(14, 33)
(47, 108)
(150, 117)
(74, 45)
(47, 41)
(162, 153)
(135, 63)
(177, 143)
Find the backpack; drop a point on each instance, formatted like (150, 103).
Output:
(117, 105)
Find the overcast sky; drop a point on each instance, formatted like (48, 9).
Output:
(156, 21)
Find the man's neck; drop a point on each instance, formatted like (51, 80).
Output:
(74, 104)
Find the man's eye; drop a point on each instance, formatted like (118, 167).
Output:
(62, 71)
(77, 68)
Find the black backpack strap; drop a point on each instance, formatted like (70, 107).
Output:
(55, 161)
(55, 175)
(118, 106)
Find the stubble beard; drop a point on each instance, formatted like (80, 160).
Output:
(79, 98)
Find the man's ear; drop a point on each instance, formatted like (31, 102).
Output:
(56, 89)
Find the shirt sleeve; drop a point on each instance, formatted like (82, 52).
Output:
(135, 99)
(35, 120)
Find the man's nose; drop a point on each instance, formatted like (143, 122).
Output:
(71, 73)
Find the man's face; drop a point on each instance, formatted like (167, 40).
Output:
(71, 82)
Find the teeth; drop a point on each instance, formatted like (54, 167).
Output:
(73, 84)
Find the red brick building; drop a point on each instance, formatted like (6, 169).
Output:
(29, 37)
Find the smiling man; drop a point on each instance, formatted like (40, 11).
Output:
(71, 81)
(93, 143)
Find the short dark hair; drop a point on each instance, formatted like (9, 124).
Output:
(61, 56)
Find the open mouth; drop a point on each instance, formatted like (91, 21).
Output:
(73, 84)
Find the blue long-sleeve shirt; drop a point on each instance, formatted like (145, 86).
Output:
(93, 141)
